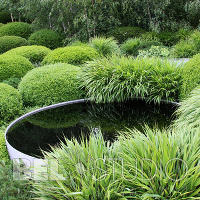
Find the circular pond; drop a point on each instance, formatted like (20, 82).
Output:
(38, 131)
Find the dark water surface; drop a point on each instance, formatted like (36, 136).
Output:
(78, 120)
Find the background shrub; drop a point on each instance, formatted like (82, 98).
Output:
(123, 33)
(72, 54)
(105, 46)
(168, 38)
(132, 46)
(10, 42)
(10, 102)
(189, 111)
(34, 53)
(190, 76)
(13, 67)
(47, 38)
(14, 82)
(20, 29)
(121, 78)
(5, 17)
(51, 84)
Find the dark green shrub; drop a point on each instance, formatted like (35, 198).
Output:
(47, 38)
(121, 78)
(10, 42)
(132, 46)
(10, 102)
(5, 17)
(51, 84)
(20, 29)
(189, 47)
(14, 82)
(72, 54)
(123, 33)
(190, 76)
(105, 46)
(34, 54)
(13, 67)
(168, 38)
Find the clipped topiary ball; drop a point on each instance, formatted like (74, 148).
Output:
(190, 76)
(20, 29)
(13, 67)
(47, 38)
(10, 42)
(5, 17)
(34, 53)
(10, 102)
(51, 84)
(72, 54)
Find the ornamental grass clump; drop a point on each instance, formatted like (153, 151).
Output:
(122, 78)
(105, 46)
(85, 172)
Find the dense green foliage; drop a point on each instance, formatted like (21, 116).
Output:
(13, 81)
(72, 54)
(51, 84)
(123, 33)
(34, 53)
(105, 46)
(190, 76)
(20, 29)
(10, 102)
(188, 47)
(5, 17)
(167, 38)
(47, 38)
(155, 51)
(132, 46)
(189, 111)
(3, 150)
(13, 67)
(121, 78)
(10, 42)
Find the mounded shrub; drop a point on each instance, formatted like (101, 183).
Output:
(51, 84)
(5, 17)
(20, 29)
(76, 55)
(34, 54)
(123, 33)
(121, 78)
(10, 102)
(133, 45)
(190, 76)
(3, 150)
(47, 38)
(105, 46)
(13, 67)
(189, 111)
(10, 42)
(1, 24)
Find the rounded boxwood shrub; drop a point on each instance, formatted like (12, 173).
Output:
(72, 54)
(47, 38)
(123, 33)
(20, 29)
(51, 84)
(190, 76)
(10, 42)
(13, 67)
(105, 46)
(10, 102)
(5, 17)
(34, 53)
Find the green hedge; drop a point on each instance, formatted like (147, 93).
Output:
(123, 33)
(20, 29)
(13, 67)
(190, 76)
(47, 38)
(133, 45)
(10, 102)
(51, 84)
(72, 54)
(5, 17)
(34, 54)
(121, 78)
(10, 42)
